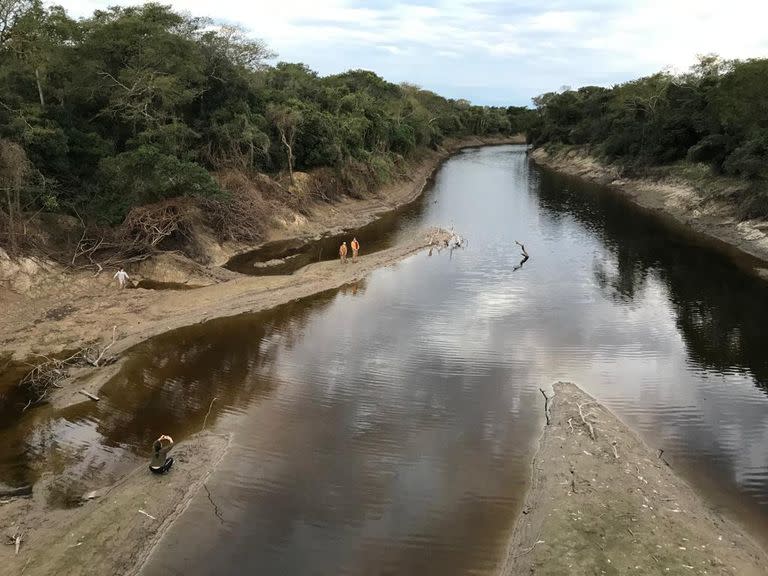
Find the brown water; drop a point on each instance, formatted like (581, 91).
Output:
(287, 256)
(387, 428)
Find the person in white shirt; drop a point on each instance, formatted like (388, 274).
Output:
(122, 277)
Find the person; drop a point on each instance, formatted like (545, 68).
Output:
(122, 277)
(343, 252)
(161, 463)
(355, 248)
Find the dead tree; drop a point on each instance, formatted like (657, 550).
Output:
(524, 254)
(286, 120)
(48, 374)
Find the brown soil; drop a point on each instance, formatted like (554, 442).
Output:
(115, 530)
(610, 505)
(712, 216)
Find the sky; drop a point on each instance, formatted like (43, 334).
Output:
(493, 52)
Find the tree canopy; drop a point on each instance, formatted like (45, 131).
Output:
(717, 113)
(133, 105)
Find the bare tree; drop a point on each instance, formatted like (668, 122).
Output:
(14, 169)
(286, 120)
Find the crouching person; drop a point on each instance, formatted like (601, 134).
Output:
(161, 463)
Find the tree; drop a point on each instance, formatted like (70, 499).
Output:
(10, 13)
(286, 120)
(14, 169)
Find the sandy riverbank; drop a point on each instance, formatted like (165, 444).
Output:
(141, 314)
(712, 216)
(609, 505)
(64, 310)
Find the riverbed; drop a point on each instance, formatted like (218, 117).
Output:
(388, 427)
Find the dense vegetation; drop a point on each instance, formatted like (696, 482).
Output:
(716, 114)
(135, 105)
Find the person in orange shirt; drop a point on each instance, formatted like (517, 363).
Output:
(355, 248)
(343, 252)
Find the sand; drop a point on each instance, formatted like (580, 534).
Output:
(611, 505)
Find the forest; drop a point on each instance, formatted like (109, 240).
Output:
(715, 115)
(129, 107)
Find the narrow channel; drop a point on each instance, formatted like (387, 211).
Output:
(388, 427)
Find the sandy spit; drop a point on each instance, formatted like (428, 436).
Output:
(602, 502)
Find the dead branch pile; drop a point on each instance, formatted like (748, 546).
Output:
(49, 373)
(146, 227)
(140, 234)
(245, 211)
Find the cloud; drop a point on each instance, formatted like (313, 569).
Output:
(501, 52)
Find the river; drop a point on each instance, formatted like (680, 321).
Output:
(388, 427)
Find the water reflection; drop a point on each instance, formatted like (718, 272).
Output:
(165, 386)
(716, 306)
(387, 427)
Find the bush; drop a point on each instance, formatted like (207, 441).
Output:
(146, 175)
(749, 160)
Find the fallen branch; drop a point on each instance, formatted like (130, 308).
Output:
(147, 514)
(527, 550)
(570, 423)
(91, 396)
(89, 351)
(615, 450)
(205, 420)
(51, 371)
(586, 423)
(546, 405)
(525, 256)
(16, 492)
(523, 251)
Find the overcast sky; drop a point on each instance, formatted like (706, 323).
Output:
(492, 51)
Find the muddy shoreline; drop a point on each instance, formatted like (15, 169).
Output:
(72, 310)
(116, 530)
(745, 241)
(602, 502)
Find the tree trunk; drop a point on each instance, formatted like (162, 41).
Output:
(11, 222)
(39, 87)
(289, 150)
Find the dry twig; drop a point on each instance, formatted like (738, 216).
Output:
(586, 423)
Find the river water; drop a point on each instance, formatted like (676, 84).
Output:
(388, 427)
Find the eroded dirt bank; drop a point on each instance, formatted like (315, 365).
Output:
(48, 309)
(602, 502)
(709, 214)
(59, 310)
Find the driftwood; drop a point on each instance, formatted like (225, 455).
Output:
(16, 492)
(49, 373)
(91, 396)
(205, 420)
(15, 536)
(524, 254)
(586, 423)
